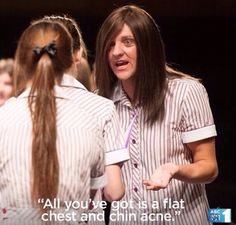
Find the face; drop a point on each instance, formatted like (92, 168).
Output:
(122, 55)
(5, 87)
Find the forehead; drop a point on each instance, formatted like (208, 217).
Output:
(125, 31)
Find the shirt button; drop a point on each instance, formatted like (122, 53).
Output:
(133, 141)
(135, 165)
(136, 189)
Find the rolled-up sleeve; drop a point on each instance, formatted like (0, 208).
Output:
(113, 136)
(98, 168)
(197, 120)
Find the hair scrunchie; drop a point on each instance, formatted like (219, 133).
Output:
(50, 49)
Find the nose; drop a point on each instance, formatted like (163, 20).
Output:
(117, 49)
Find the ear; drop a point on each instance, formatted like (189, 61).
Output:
(78, 55)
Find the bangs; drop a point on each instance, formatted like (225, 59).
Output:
(114, 29)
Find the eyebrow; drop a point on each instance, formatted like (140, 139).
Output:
(127, 36)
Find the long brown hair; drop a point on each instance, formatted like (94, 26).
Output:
(151, 71)
(43, 54)
(83, 70)
(70, 25)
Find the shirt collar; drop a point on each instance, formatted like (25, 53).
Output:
(120, 96)
(69, 81)
(59, 93)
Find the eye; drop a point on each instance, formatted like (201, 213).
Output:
(128, 42)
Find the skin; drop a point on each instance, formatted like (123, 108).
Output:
(5, 87)
(114, 189)
(202, 170)
(122, 59)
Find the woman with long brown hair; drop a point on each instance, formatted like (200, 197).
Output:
(168, 119)
(50, 147)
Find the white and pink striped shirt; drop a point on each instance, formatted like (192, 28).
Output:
(106, 117)
(115, 151)
(187, 118)
(88, 133)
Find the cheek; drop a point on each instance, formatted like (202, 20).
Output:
(8, 90)
(134, 57)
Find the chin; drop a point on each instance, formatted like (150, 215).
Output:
(124, 77)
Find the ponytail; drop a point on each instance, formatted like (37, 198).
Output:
(45, 165)
(43, 54)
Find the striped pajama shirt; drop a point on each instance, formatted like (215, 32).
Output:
(115, 151)
(84, 127)
(187, 118)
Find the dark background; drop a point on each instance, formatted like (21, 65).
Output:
(199, 38)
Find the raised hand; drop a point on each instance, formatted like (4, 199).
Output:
(161, 177)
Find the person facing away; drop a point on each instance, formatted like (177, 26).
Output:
(168, 122)
(50, 147)
(84, 70)
(81, 70)
(107, 117)
(6, 73)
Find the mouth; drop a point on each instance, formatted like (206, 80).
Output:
(121, 63)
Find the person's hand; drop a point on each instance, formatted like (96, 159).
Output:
(161, 177)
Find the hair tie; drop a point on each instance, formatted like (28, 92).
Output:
(50, 49)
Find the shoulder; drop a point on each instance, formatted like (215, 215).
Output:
(14, 111)
(78, 93)
(185, 85)
(95, 105)
(89, 99)
(184, 81)
(8, 106)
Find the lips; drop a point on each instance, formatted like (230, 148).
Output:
(121, 63)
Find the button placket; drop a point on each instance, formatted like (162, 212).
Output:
(135, 157)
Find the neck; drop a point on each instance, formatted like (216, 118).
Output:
(129, 88)
(72, 70)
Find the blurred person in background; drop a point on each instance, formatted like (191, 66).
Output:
(6, 73)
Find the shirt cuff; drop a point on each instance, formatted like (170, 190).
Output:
(98, 182)
(116, 156)
(199, 134)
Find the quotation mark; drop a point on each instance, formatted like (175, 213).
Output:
(40, 200)
(177, 213)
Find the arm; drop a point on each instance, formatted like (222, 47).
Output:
(97, 173)
(114, 189)
(116, 154)
(203, 169)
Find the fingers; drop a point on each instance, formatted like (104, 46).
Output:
(161, 177)
(150, 185)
